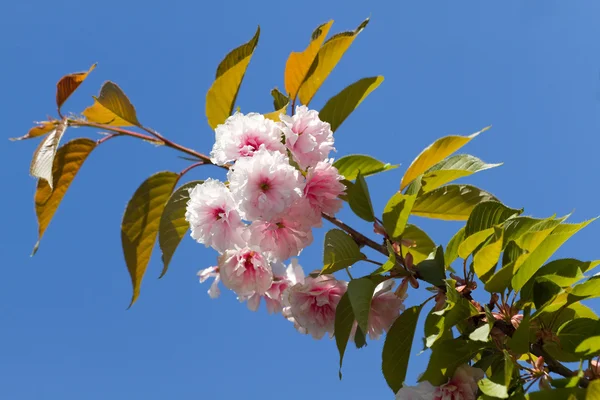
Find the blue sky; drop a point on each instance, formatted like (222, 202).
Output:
(531, 69)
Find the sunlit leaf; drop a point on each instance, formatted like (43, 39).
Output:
(221, 96)
(486, 259)
(68, 84)
(435, 153)
(172, 224)
(299, 63)
(340, 106)
(327, 58)
(39, 130)
(112, 107)
(498, 384)
(446, 356)
(422, 245)
(453, 168)
(359, 199)
(350, 165)
(396, 213)
(557, 394)
(451, 253)
(43, 157)
(544, 250)
(67, 162)
(340, 251)
(397, 347)
(275, 115)
(488, 214)
(519, 342)
(451, 202)
(471, 243)
(140, 224)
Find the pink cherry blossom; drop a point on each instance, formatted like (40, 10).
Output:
(241, 135)
(423, 391)
(385, 308)
(211, 272)
(213, 217)
(462, 386)
(245, 271)
(311, 305)
(323, 188)
(309, 139)
(286, 234)
(264, 185)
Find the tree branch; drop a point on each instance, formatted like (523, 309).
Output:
(556, 366)
(357, 236)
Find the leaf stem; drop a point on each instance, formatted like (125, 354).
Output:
(373, 262)
(357, 236)
(190, 167)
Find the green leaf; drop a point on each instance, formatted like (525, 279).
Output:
(544, 291)
(396, 213)
(422, 246)
(220, 98)
(498, 384)
(280, 100)
(573, 335)
(360, 292)
(544, 250)
(586, 290)
(452, 248)
(433, 154)
(487, 215)
(349, 166)
(593, 391)
(500, 281)
(397, 348)
(67, 162)
(327, 58)
(43, 158)
(140, 224)
(340, 251)
(446, 356)
(389, 264)
(173, 226)
(453, 168)
(340, 106)
(433, 270)
(451, 202)
(112, 107)
(556, 318)
(486, 259)
(519, 342)
(558, 394)
(299, 63)
(359, 199)
(470, 244)
(570, 382)
(344, 319)
(481, 334)
(360, 340)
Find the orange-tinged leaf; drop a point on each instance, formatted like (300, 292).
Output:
(69, 159)
(340, 106)
(173, 224)
(435, 153)
(112, 107)
(298, 64)
(140, 224)
(43, 157)
(221, 96)
(39, 130)
(68, 84)
(327, 58)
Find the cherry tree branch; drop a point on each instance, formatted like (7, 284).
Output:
(357, 236)
(556, 366)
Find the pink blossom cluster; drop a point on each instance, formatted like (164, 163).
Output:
(280, 180)
(462, 386)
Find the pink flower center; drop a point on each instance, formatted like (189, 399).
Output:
(265, 185)
(250, 145)
(218, 213)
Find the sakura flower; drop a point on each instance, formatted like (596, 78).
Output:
(245, 271)
(385, 308)
(323, 187)
(282, 279)
(211, 272)
(423, 391)
(264, 185)
(462, 386)
(241, 135)
(311, 305)
(307, 137)
(213, 217)
(286, 234)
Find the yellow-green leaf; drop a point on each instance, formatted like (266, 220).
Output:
(140, 224)
(486, 259)
(274, 116)
(327, 58)
(435, 153)
(43, 157)
(340, 251)
(451, 169)
(349, 166)
(451, 202)
(396, 213)
(469, 244)
(112, 107)
(422, 245)
(173, 225)
(340, 106)
(298, 64)
(69, 159)
(221, 96)
(68, 84)
(39, 130)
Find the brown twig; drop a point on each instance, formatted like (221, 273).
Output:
(556, 366)
(357, 236)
